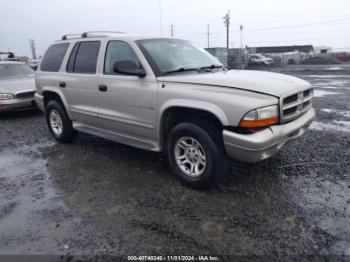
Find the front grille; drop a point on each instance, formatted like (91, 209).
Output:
(305, 104)
(306, 93)
(289, 111)
(25, 95)
(290, 99)
(295, 105)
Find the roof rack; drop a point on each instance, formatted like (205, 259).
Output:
(86, 34)
(65, 37)
(89, 33)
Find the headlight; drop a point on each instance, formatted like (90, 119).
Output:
(260, 117)
(6, 96)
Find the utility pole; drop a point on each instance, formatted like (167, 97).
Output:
(172, 30)
(32, 47)
(227, 24)
(208, 33)
(241, 47)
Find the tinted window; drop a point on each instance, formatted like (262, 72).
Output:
(118, 51)
(53, 57)
(86, 58)
(70, 64)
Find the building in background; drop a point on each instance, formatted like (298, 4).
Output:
(281, 55)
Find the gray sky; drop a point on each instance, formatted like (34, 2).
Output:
(266, 22)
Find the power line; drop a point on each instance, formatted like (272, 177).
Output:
(297, 25)
(300, 39)
(271, 28)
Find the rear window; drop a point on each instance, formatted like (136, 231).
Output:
(53, 57)
(83, 58)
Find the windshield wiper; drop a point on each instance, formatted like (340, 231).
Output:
(211, 67)
(181, 69)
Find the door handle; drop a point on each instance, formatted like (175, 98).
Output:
(102, 88)
(62, 84)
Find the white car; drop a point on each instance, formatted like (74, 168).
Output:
(259, 59)
(17, 87)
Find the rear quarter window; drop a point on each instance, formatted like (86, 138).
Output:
(53, 57)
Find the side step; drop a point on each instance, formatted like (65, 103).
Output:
(120, 138)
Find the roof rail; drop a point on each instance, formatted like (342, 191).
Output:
(65, 37)
(86, 34)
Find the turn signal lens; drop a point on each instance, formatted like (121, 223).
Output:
(259, 123)
(260, 117)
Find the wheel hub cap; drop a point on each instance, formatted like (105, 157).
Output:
(190, 156)
(56, 122)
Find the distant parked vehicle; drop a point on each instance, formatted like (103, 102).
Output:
(33, 63)
(259, 59)
(17, 87)
(317, 60)
(344, 57)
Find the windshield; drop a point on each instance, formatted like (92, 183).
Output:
(169, 55)
(15, 70)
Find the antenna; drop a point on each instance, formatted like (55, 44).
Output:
(160, 18)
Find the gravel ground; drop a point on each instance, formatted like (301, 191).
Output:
(97, 197)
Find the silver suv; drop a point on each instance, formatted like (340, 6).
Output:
(166, 94)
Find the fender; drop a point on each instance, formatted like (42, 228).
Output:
(193, 104)
(60, 94)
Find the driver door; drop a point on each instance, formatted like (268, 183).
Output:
(127, 104)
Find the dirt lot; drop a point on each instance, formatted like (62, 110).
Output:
(97, 197)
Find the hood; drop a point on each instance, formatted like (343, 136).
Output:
(257, 81)
(16, 85)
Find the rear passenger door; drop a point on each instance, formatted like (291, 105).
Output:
(79, 84)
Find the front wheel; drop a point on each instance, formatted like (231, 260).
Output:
(195, 155)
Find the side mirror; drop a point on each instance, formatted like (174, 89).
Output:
(128, 67)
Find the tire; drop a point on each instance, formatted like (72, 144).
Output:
(210, 144)
(59, 124)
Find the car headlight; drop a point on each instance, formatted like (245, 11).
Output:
(260, 117)
(6, 96)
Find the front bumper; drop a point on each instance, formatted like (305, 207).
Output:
(16, 104)
(267, 142)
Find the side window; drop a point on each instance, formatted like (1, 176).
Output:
(117, 51)
(83, 58)
(53, 57)
(73, 54)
